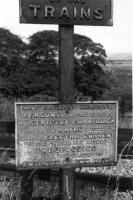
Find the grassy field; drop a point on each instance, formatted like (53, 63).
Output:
(121, 89)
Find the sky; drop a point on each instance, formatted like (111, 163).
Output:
(115, 39)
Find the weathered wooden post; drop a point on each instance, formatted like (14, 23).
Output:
(66, 64)
(66, 13)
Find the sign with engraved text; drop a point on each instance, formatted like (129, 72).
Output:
(74, 12)
(72, 134)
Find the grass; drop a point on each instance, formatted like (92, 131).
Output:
(85, 190)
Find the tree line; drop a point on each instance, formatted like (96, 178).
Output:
(31, 69)
(27, 69)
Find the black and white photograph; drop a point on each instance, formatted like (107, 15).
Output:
(66, 120)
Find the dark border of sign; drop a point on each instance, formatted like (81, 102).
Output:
(69, 165)
(24, 20)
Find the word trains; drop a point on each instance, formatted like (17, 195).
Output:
(67, 12)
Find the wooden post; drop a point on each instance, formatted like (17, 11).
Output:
(26, 185)
(67, 184)
(66, 61)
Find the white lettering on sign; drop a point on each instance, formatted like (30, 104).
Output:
(49, 11)
(98, 14)
(64, 12)
(85, 13)
(35, 9)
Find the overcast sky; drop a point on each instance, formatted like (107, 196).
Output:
(114, 39)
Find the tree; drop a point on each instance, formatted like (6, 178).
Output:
(12, 58)
(90, 79)
(43, 47)
(84, 47)
(11, 51)
(32, 69)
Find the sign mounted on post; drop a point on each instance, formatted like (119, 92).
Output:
(71, 12)
(72, 134)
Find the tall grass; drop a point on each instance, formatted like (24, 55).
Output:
(87, 190)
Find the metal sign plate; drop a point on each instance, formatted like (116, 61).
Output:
(56, 135)
(59, 135)
(74, 12)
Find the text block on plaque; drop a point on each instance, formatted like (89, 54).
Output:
(72, 134)
(71, 12)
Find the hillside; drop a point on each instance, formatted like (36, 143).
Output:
(119, 56)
